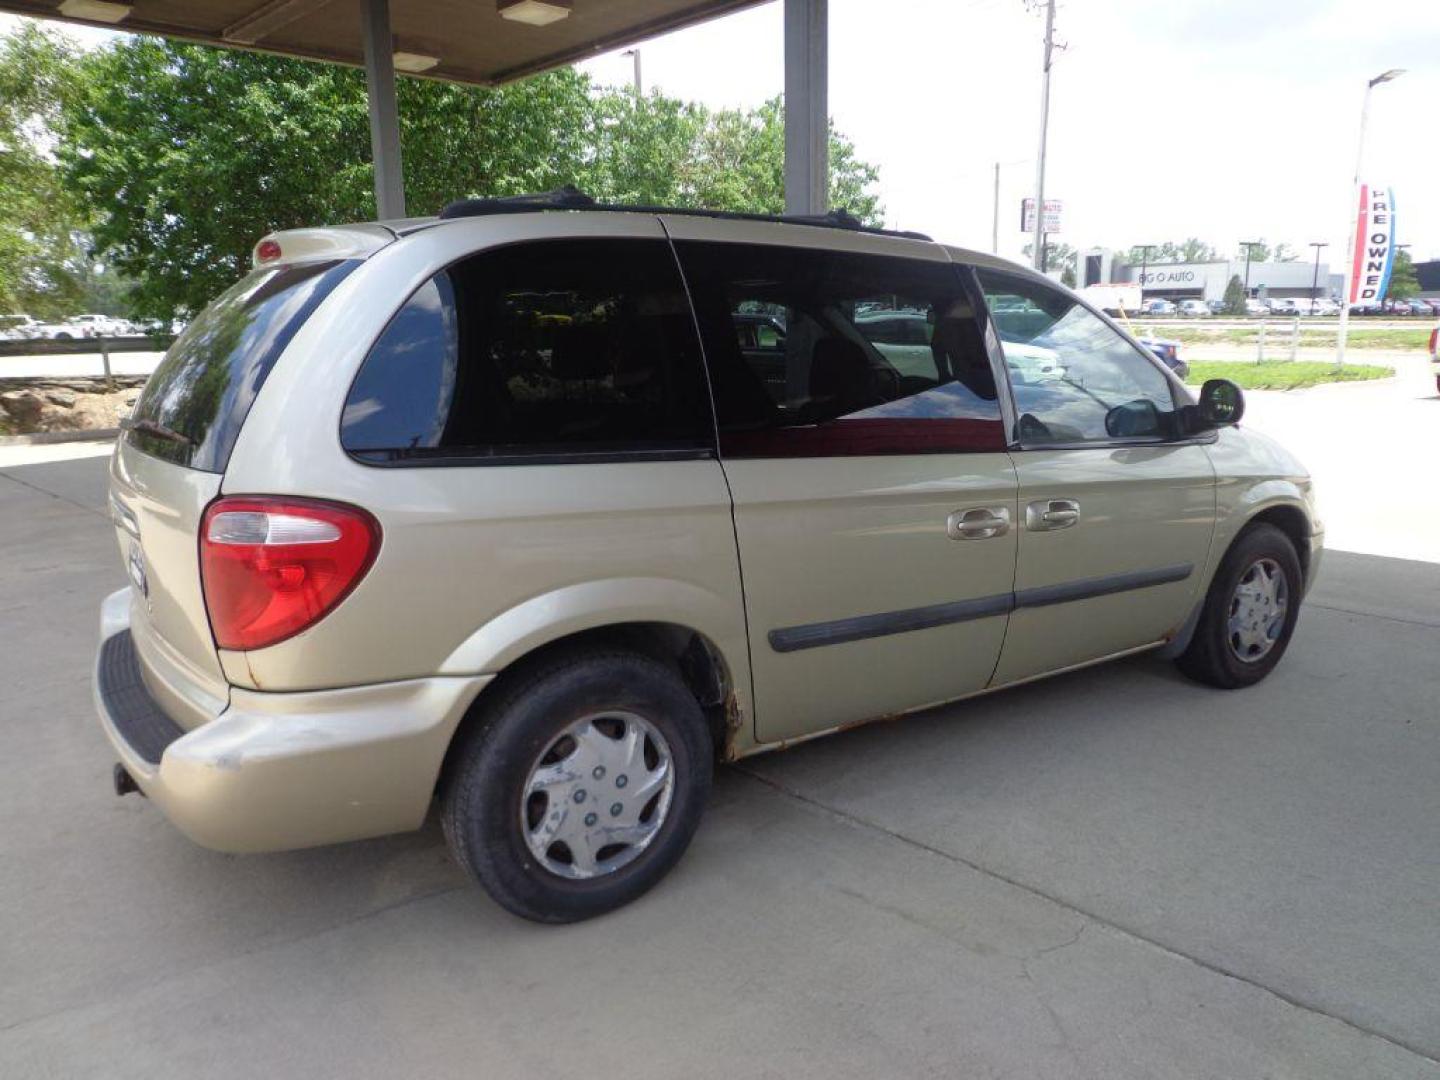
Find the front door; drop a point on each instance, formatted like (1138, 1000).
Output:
(862, 440)
(1116, 508)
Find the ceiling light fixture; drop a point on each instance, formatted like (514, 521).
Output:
(95, 10)
(534, 12)
(414, 62)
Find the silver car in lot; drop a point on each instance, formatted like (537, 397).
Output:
(518, 510)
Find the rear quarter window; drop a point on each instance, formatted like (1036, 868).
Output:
(203, 389)
(559, 349)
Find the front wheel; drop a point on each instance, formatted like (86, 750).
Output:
(1249, 613)
(580, 785)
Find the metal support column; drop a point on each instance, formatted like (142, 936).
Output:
(807, 120)
(384, 116)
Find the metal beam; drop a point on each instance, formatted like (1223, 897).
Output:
(384, 114)
(267, 18)
(807, 115)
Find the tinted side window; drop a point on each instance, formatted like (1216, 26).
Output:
(203, 389)
(1074, 378)
(576, 347)
(833, 353)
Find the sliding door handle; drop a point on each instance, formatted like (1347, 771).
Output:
(1047, 515)
(980, 523)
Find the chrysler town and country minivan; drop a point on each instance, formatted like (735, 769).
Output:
(540, 508)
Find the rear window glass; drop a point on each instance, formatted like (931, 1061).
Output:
(197, 399)
(573, 348)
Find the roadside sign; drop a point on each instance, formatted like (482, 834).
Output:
(1053, 209)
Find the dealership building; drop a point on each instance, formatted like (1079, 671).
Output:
(1207, 280)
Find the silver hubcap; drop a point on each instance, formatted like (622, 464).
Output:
(597, 795)
(1257, 610)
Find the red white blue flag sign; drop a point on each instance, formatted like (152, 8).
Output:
(1374, 245)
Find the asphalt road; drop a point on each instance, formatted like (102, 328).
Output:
(1111, 874)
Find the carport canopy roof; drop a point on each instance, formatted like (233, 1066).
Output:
(470, 39)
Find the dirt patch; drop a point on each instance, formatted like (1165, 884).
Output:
(28, 406)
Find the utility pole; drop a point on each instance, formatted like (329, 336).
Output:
(639, 86)
(1358, 210)
(1044, 130)
(995, 217)
(1315, 277)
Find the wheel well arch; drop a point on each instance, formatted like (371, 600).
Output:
(1292, 521)
(694, 657)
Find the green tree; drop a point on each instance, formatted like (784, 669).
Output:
(1235, 296)
(186, 154)
(1058, 256)
(1403, 282)
(42, 243)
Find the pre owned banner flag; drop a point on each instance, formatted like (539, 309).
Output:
(1374, 245)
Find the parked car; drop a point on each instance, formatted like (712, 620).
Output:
(1320, 306)
(53, 331)
(15, 327)
(1168, 352)
(1256, 307)
(1216, 307)
(94, 326)
(1285, 306)
(457, 509)
(1158, 307)
(1194, 309)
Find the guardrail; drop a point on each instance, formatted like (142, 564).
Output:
(73, 346)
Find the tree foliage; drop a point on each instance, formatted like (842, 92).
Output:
(1235, 296)
(185, 155)
(42, 244)
(1058, 256)
(1403, 282)
(1190, 250)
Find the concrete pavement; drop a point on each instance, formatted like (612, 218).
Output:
(1374, 450)
(1112, 874)
(77, 365)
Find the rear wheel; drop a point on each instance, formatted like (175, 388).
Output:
(580, 785)
(1249, 613)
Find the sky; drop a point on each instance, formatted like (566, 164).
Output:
(1218, 119)
(1226, 120)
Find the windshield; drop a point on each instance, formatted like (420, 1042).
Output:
(203, 388)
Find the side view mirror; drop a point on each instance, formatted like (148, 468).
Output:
(1221, 403)
(1135, 420)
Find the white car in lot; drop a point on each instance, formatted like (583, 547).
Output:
(1194, 309)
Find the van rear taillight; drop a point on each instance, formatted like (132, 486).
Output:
(272, 567)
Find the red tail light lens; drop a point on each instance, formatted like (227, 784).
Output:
(272, 567)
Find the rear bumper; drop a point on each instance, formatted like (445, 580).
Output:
(279, 771)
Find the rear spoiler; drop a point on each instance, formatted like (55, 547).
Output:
(305, 245)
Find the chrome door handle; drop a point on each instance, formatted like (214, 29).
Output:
(980, 523)
(1047, 515)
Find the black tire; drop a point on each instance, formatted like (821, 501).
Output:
(1209, 657)
(482, 795)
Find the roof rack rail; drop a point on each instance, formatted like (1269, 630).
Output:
(570, 197)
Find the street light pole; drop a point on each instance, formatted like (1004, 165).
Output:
(1248, 245)
(1356, 210)
(1044, 128)
(1315, 277)
(995, 218)
(639, 86)
(1145, 250)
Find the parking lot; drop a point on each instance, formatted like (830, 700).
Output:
(1115, 873)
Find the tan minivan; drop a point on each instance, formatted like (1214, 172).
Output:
(540, 507)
